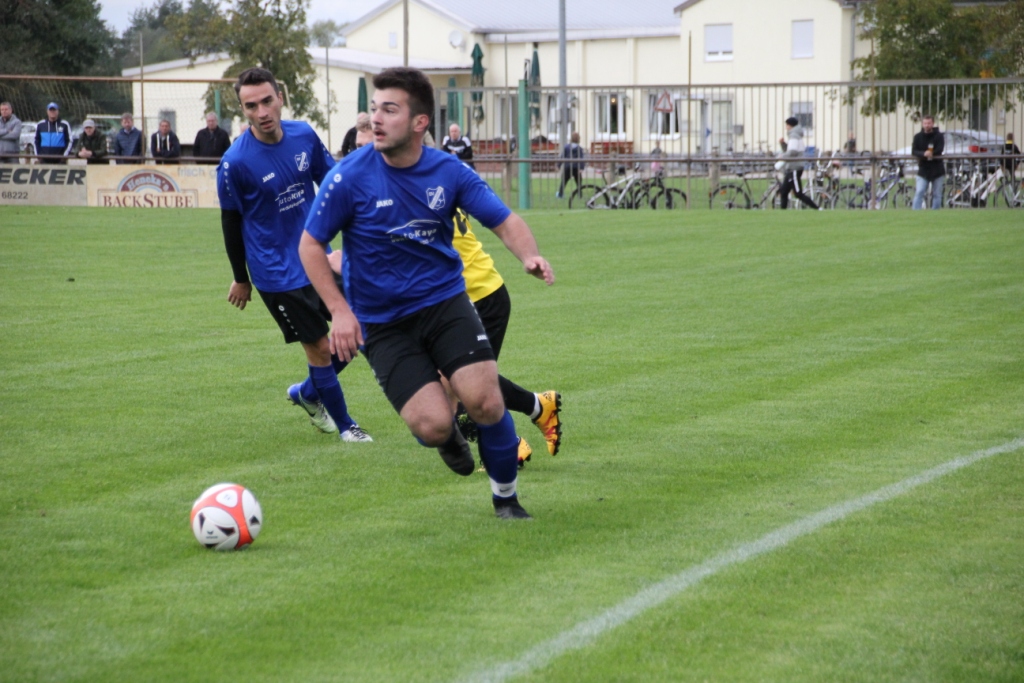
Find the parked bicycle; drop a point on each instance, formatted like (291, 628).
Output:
(893, 190)
(737, 195)
(632, 191)
(977, 187)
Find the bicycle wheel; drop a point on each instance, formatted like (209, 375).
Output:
(730, 196)
(1010, 195)
(902, 198)
(585, 197)
(668, 198)
(850, 196)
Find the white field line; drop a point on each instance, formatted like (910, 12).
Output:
(586, 632)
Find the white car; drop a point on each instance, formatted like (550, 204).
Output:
(27, 141)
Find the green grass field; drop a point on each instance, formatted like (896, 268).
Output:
(724, 375)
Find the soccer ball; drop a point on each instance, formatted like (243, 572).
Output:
(226, 517)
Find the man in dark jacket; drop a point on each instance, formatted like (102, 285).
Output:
(128, 141)
(211, 142)
(164, 144)
(573, 167)
(927, 147)
(458, 144)
(53, 136)
(92, 145)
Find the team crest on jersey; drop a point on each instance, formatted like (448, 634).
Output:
(435, 197)
(302, 161)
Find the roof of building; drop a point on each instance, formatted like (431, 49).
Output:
(642, 17)
(341, 57)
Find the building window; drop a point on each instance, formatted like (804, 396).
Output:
(508, 116)
(663, 121)
(392, 40)
(554, 116)
(804, 113)
(717, 42)
(803, 39)
(611, 114)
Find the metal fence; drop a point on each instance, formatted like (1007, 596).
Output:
(693, 137)
(858, 132)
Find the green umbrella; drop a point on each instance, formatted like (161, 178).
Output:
(534, 82)
(454, 109)
(361, 106)
(477, 80)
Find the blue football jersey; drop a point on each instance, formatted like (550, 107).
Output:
(272, 186)
(397, 226)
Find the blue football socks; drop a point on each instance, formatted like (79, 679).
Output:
(325, 381)
(499, 449)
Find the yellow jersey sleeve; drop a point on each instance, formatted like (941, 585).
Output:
(482, 278)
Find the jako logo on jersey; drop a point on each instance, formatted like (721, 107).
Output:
(435, 197)
(385, 202)
(267, 177)
(302, 161)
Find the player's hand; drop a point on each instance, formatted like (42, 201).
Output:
(539, 267)
(346, 335)
(239, 294)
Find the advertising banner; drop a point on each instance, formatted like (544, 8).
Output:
(42, 185)
(153, 187)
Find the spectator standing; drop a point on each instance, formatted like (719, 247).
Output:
(792, 164)
(211, 142)
(10, 134)
(574, 168)
(927, 147)
(128, 141)
(458, 144)
(53, 135)
(164, 144)
(1010, 165)
(92, 145)
(348, 145)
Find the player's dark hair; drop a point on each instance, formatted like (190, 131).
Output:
(412, 82)
(255, 76)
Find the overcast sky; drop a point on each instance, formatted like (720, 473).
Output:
(117, 13)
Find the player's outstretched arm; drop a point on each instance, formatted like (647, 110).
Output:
(517, 238)
(346, 335)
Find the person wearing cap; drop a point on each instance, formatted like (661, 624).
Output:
(10, 134)
(92, 145)
(164, 144)
(791, 162)
(128, 141)
(53, 136)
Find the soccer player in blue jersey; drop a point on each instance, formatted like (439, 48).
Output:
(265, 183)
(394, 205)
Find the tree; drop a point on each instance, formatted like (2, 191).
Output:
(267, 33)
(150, 24)
(325, 33)
(55, 37)
(933, 39)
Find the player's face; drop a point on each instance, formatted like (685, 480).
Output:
(394, 126)
(363, 137)
(262, 107)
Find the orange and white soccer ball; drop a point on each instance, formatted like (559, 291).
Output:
(226, 517)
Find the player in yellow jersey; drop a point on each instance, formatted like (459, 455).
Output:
(489, 295)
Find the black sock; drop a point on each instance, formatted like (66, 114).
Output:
(517, 399)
